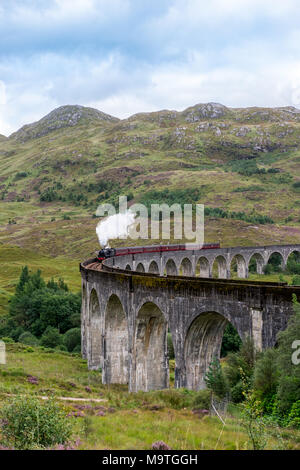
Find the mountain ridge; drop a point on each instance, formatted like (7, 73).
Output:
(72, 115)
(63, 116)
(242, 163)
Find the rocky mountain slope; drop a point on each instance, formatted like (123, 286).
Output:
(243, 164)
(65, 116)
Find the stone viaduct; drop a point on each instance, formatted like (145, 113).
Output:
(129, 303)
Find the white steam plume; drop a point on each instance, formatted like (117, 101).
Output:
(115, 226)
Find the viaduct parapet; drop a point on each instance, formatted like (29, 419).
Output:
(129, 303)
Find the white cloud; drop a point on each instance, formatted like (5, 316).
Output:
(2, 93)
(219, 11)
(126, 104)
(124, 56)
(110, 87)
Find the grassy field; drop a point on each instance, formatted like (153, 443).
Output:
(13, 258)
(123, 420)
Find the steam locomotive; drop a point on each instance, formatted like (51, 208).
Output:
(105, 253)
(109, 252)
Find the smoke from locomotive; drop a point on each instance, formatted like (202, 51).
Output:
(114, 226)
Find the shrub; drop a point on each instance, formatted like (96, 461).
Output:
(296, 280)
(293, 263)
(202, 399)
(294, 415)
(37, 305)
(21, 174)
(239, 369)
(61, 347)
(266, 373)
(72, 339)
(28, 338)
(7, 339)
(171, 398)
(293, 267)
(171, 196)
(28, 424)
(267, 269)
(215, 379)
(246, 167)
(231, 340)
(223, 214)
(296, 186)
(270, 405)
(289, 373)
(237, 392)
(274, 264)
(51, 338)
(254, 187)
(77, 349)
(253, 422)
(48, 195)
(16, 333)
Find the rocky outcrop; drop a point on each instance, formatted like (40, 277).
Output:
(205, 111)
(65, 116)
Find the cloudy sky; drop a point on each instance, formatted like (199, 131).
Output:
(128, 56)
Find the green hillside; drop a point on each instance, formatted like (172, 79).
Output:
(243, 164)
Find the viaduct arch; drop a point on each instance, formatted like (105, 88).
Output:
(129, 303)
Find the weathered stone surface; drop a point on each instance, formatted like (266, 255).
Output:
(206, 110)
(64, 116)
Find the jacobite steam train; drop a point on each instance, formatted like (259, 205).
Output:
(109, 252)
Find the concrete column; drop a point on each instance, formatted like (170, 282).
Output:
(84, 324)
(242, 270)
(149, 366)
(161, 265)
(260, 267)
(131, 333)
(257, 327)
(193, 260)
(223, 269)
(204, 268)
(94, 350)
(283, 265)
